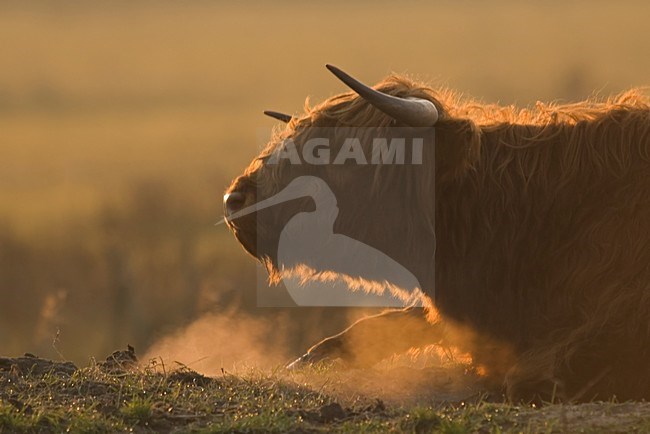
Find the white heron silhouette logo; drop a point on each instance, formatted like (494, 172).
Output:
(308, 238)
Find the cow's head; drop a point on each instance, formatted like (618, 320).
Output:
(384, 189)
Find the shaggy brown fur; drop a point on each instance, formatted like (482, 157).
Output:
(540, 220)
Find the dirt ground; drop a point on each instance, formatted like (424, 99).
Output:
(121, 395)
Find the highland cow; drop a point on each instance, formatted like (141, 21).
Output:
(532, 225)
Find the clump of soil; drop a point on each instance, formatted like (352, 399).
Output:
(29, 364)
(120, 361)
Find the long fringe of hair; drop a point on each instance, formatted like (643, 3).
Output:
(542, 147)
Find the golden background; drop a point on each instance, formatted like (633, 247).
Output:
(121, 123)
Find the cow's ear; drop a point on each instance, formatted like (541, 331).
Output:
(457, 143)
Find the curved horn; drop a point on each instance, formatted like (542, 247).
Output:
(279, 116)
(415, 112)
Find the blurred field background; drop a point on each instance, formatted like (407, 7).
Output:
(121, 123)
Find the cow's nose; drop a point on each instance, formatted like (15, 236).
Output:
(233, 202)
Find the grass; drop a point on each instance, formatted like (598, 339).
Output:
(96, 399)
